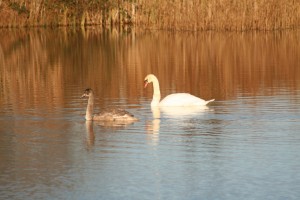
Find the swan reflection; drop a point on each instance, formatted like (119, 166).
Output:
(186, 112)
(154, 126)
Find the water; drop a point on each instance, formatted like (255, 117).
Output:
(245, 145)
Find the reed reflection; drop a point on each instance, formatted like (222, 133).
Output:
(38, 67)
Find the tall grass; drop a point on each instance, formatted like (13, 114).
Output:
(155, 14)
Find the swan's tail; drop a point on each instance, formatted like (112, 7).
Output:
(210, 101)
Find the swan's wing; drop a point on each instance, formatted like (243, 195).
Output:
(115, 112)
(182, 99)
(186, 112)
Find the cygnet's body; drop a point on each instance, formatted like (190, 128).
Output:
(108, 114)
(177, 99)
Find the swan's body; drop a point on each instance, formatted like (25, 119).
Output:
(183, 99)
(177, 99)
(109, 114)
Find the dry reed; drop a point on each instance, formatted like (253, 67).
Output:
(234, 15)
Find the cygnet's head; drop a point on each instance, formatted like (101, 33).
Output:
(148, 79)
(87, 92)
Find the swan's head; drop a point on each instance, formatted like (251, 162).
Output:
(87, 92)
(149, 79)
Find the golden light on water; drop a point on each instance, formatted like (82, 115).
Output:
(38, 65)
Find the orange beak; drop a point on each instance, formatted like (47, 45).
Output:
(146, 83)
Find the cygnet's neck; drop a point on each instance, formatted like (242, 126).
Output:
(156, 92)
(90, 108)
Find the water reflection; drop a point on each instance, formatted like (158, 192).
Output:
(90, 135)
(184, 112)
(186, 115)
(227, 147)
(107, 126)
(113, 124)
(153, 126)
(39, 67)
(155, 112)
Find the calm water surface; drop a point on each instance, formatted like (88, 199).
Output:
(245, 145)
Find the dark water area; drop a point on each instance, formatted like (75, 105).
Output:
(245, 145)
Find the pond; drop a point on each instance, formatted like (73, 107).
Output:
(244, 145)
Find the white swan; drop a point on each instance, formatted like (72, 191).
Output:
(109, 114)
(177, 99)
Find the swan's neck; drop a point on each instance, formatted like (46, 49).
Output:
(90, 108)
(156, 93)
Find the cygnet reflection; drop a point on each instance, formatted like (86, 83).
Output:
(90, 136)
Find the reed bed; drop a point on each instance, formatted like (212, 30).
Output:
(234, 15)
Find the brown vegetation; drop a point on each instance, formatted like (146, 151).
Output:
(154, 14)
